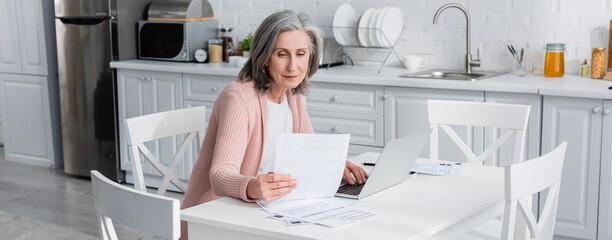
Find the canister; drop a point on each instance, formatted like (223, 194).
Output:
(598, 62)
(228, 45)
(215, 50)
(554, 66)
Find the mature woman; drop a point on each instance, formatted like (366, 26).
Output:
(237, 155)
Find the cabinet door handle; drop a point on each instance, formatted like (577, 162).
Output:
(336, 129)
(143, 78)
(335, 98)
(596, 109)
(214, 89)
(606, 111)
(385, 96)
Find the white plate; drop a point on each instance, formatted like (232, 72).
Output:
(364, 23)
(380, 40)
(372, 25)
(391, 24)
(345, 17)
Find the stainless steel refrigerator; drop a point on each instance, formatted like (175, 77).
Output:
(91, 33)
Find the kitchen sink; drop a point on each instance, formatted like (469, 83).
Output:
(451, 75)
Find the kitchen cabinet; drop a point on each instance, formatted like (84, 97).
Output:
(579, 122)
(29, 92)
(204, 88)
(25, 108)
(406, 113)
(355, 109)
(605, 193)
(24, 40)
(200, 90)
(342, 108)
(146, 92)
(9, 43)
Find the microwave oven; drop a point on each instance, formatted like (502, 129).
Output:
(174, 41)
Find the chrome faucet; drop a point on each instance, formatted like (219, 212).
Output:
(469, 62)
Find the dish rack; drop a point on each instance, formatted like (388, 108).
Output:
(353, 51)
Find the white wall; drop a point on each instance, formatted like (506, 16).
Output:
(580, 24)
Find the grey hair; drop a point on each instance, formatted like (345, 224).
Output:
(262, 48)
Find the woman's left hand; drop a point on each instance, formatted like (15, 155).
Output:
(359, 173)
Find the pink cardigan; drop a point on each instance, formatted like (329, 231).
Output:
(231, 151)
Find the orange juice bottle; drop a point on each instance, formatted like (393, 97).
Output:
(554, 66)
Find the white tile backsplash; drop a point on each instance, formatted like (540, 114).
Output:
(581, 25)
(578, 7)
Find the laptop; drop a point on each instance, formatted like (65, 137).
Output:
(392, 167)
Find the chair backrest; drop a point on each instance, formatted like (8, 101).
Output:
(154, 215)
(190, 121)
(522, 181)
(512, 117)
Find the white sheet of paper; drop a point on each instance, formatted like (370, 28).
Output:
(325, 211)
(316, 161)
(437, 168)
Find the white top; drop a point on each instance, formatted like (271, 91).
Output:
(574, 86)
(278, 120)
(361, 75)
(415, 209)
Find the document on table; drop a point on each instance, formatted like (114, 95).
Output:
(437, 168)
(323, 211)
(316, 161)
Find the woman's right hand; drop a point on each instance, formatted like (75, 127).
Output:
(269, 187)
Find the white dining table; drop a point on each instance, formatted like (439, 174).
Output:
(422, 207)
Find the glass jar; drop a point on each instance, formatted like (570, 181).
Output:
(584, 69)
(554, 66)
(215, 50)
(228, 45)
(598, 62)
(538, 62)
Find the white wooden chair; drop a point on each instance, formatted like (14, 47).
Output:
(190, 121)
(157, 216)
(512, 117)
(522, 181)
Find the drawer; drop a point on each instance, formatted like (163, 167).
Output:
(345, 98)
(204, 87)
(364, 129)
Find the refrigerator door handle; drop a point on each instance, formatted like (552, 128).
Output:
(83, 21)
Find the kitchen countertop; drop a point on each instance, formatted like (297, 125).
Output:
(222, 69)
(389, 76)
(568, 86)
(574, 86)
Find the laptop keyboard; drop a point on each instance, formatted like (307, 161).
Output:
(351, 189)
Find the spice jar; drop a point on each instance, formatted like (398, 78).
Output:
(598, 62)
(584, 69)
(215, 50)
(554, 66)
(227, 42)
